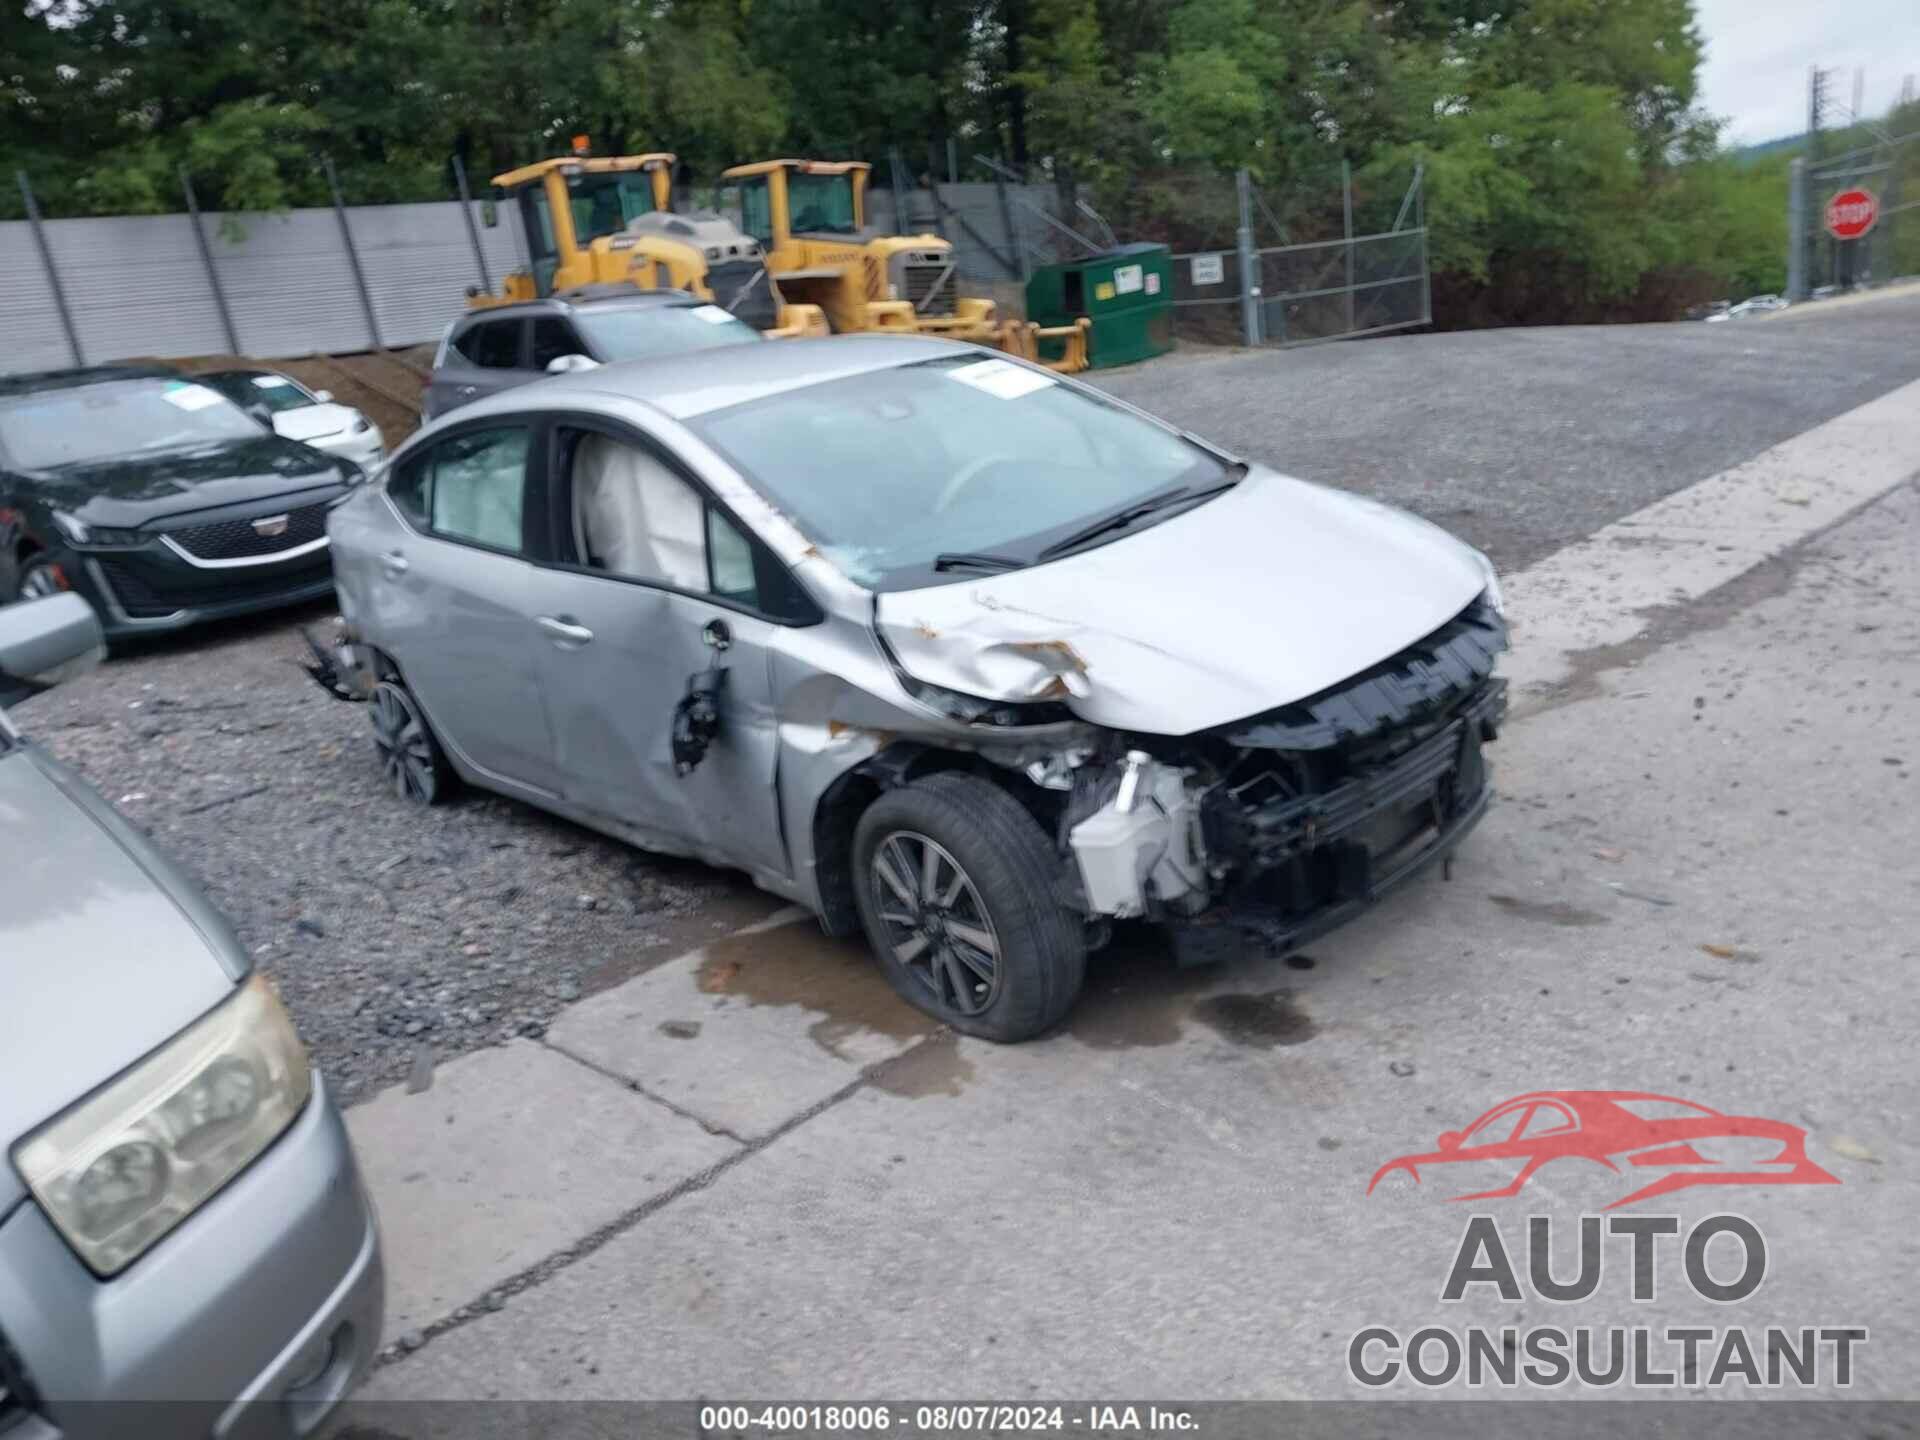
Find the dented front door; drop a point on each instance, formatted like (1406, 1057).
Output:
(615, 664)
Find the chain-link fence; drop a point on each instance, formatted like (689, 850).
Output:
(1827, 207)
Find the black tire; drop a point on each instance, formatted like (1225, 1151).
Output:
(411, 759)
(1003, 861)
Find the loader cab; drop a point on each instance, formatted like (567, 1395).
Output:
(565, 205)
(781, 202)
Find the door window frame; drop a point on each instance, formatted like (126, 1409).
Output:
(558, 490)
(535, 503)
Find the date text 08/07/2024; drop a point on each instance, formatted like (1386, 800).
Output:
(942, 1418)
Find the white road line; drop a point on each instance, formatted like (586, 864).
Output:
(1599, 591)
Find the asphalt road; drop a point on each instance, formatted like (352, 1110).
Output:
(1524, 440)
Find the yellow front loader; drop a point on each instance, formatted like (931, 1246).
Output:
(599, 224)
(810, 220)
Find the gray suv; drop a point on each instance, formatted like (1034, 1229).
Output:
(185, 1245)
(503, 346)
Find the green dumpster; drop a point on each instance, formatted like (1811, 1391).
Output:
(1127, 293)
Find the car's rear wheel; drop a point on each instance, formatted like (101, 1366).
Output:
(410, 758)
(952, 880)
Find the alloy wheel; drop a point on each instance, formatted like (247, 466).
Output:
(41, 581)
(937, 926)
(406, 749)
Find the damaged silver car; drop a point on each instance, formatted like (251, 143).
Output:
(941, 645)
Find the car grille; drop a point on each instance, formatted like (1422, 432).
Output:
(16, 1399)
(143, 600)
(923, 281)
(239, 540)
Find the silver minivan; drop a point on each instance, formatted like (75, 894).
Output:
(946, 647)
(186, 1248)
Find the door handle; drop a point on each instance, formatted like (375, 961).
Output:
(394, 563)
(566, 634)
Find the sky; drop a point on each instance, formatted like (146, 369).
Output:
(1758, 52)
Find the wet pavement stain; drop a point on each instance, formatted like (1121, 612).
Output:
(797, 965)
(1257, 1021)
(934, 1068)
(1550, 912)
(1135, 995)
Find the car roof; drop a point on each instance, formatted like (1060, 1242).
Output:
(696, 382)
(559, 305)
(84, 375)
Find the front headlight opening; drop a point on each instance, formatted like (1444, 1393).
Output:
(120, 1169)
(81, 533)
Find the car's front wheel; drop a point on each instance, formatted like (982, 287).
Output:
(410, 757)
(40, 576)
(953, 882)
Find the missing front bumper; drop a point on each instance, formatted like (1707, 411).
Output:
(1309, 864)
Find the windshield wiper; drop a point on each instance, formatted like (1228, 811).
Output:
(975, 560)
(1122, 518)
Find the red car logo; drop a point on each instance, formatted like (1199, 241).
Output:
(1680, 1143)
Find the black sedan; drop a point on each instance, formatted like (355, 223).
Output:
(158, 499)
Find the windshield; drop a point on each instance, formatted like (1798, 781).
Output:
(887, 471)
(639, 333)
(276, 392)
(603, 204)
(117, 417)
(820, 204)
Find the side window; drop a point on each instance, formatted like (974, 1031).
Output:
(1497, 1129)
(756, 210)
(552, 338)
(407, 487)
(1546, 1120)
(477, 488)
(495, 346)
(634, 516)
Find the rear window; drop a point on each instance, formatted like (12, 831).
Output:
(642, 332)
(116, 418)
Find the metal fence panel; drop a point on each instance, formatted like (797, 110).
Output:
(137, 285)
(35, 339)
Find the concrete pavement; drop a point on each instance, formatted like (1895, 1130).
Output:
(750, 1173)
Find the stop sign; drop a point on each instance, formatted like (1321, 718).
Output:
(1851, 214)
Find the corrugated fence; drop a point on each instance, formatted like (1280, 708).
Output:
(137, 285)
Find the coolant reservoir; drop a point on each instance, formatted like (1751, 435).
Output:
(1116, 849)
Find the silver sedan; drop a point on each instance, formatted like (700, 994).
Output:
(947, 648)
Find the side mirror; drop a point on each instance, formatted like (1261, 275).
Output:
(46, 641)
(1450, 1140)
(262, 413)
(325, 397)
(567, 364)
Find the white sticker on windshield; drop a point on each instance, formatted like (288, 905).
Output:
(1002, 378)
(271, 382)
(191, 397)
(712, 314)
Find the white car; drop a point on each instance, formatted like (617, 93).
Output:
(312, 417)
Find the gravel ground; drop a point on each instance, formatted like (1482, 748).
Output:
(1523, 441)
(400, 935)
(397, 935)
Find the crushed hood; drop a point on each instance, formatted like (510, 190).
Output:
(1270, 593)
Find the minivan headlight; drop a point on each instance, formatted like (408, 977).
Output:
(124, 1166)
